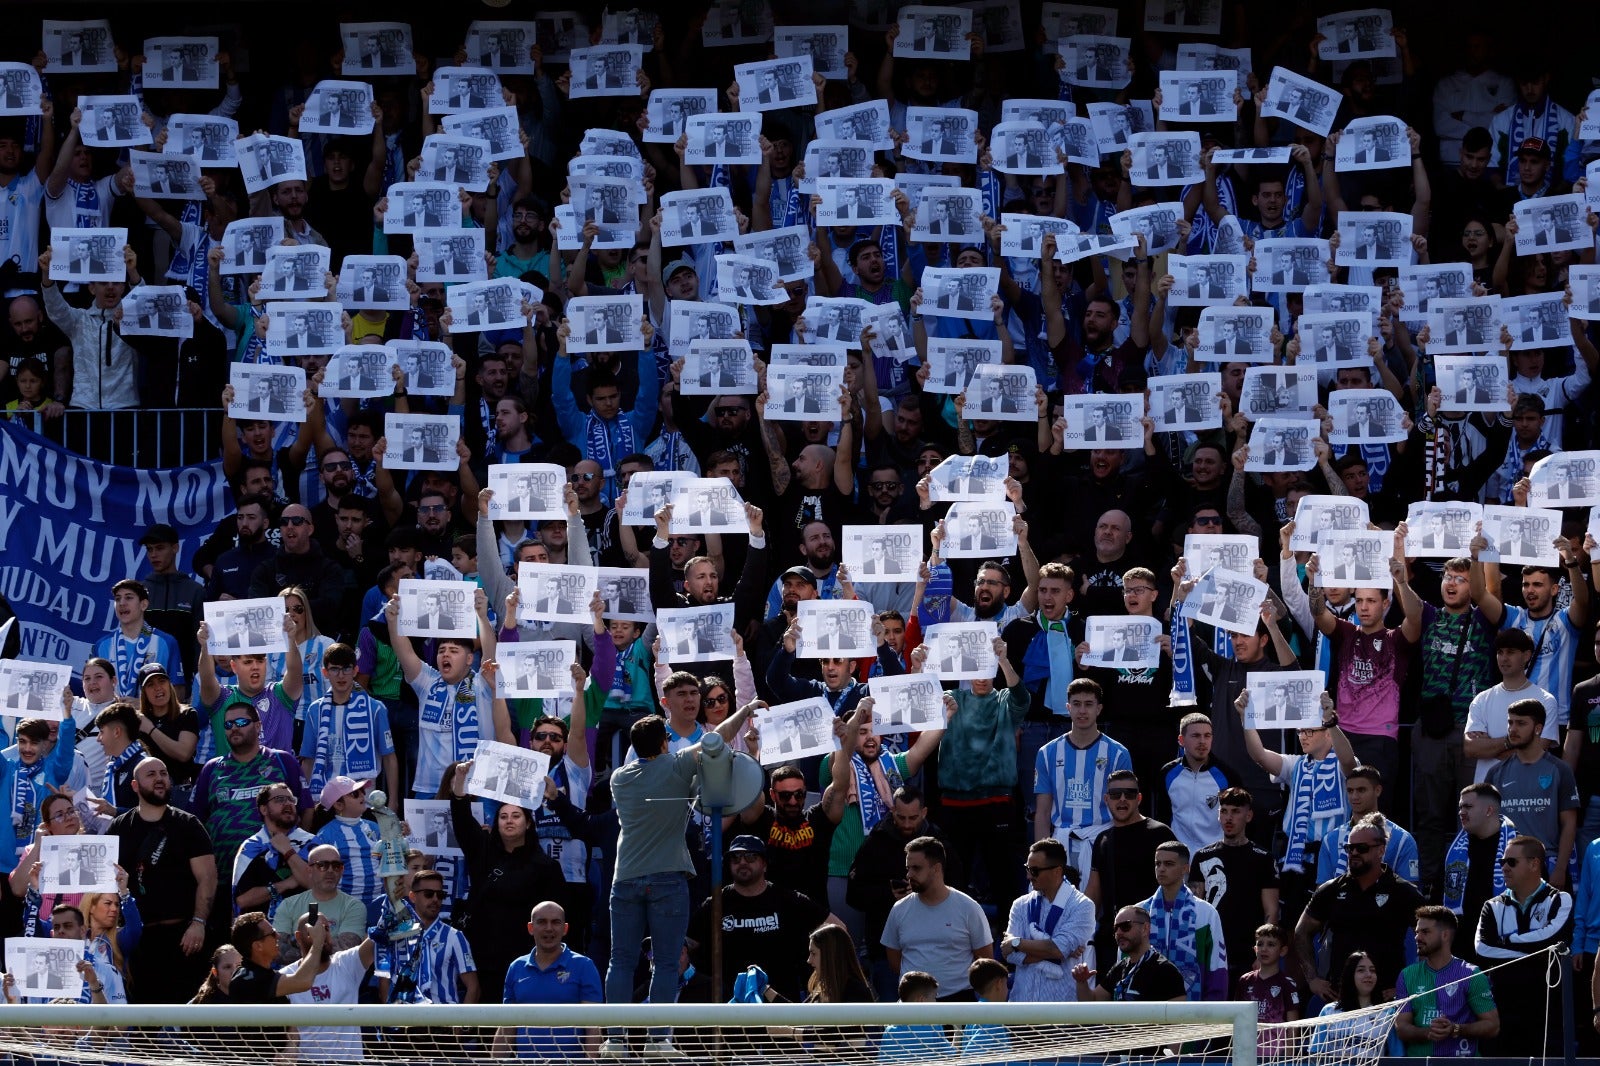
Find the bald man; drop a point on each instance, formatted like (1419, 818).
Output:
(816, 487)
(550, 973)
(299, 561)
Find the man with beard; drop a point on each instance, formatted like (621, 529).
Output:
(338, 473)
(820, 553)
(172, 875)
(764, 924)
(299, 561)
(798, 837)
(877, 877)
(33, 336)
(289, 199)
(795, 584)
(702, 583)
(530, 241)
(878, 776)
(272, 864)
(236, 569)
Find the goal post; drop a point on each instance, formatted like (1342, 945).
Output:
(852, 1034)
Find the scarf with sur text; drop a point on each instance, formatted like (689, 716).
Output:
(874, 784)
(1317, 805)
(1455, 865)
(464, 737)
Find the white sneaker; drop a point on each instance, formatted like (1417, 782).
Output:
(614, 1048)
(660, 1049)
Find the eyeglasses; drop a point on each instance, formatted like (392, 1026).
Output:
(338, 669)
(1208, 520)
(1035, 871)
(552, 734)
(1121, 793)
(1123, 927)
(1138, 589)
(431, 508)
(238, 723)
(294, 520)
(328, 864)
(727, 412)
(331, 467)
(428, 893)
(794, 795)
(883, 486)
(61, 816)
(716, 700)
(1359, 849)
(573, 479)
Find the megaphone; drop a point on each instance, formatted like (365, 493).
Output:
(729, 780)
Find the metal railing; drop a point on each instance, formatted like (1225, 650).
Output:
(141, 437)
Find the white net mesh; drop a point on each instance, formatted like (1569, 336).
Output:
(738, 1035)
(851, 1034)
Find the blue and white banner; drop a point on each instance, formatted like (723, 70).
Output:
(70, 529)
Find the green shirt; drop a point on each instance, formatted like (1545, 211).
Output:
(850, 833)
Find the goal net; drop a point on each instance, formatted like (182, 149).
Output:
(739, 1035)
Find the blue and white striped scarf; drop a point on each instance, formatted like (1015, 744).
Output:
(1317, 805)
(1455, 865)
(1172, 932)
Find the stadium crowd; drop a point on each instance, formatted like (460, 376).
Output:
(1065, 828)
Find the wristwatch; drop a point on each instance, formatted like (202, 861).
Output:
(1455, 1031)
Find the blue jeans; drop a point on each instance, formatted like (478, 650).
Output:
(657, 906)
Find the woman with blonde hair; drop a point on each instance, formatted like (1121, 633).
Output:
(114, 928)
(312, 646)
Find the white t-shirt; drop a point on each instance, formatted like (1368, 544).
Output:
(1487, 715)
(339, 983)
(81, 205)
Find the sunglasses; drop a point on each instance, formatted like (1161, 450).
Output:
(295, 610)
(1035, 871)
(431, 508)
(884, 486)
(797, 795)
(573, 479)
(727, 412)
(550, 735)
(1208, 520)
(295, 520)
(428, 893)
(1509, 861)
(328, 864)
(717, 700)
(1121, 793)
(1123, 927)
(238, 723)
(331, 467)
(1359, 849)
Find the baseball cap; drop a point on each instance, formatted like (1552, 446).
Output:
(803, 573)
(1536, 145)
(676, 265)
(160, 533)
(149, 672)
(338, 788)
(747, 843)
